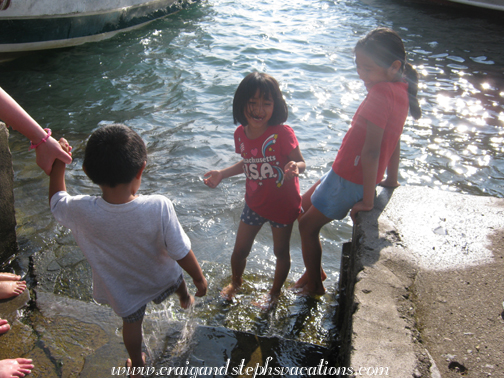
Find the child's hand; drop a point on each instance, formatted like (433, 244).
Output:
(291, 170)
(201, 285)
(359, 206)
(214, 179)
(65, 146)
(389, 183)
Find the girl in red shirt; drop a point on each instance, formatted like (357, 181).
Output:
(272, 162)
(369, 148)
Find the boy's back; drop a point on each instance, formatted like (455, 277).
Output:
(132, 247)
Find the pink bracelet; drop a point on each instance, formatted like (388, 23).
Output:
(44, 139)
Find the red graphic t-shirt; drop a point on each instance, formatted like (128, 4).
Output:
(264, 158)
(386, 106)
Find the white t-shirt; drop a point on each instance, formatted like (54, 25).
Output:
(132, 248)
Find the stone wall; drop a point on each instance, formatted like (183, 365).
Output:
(8, 243)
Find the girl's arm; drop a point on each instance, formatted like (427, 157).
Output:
(393, 169)
(370, 156)
(296, 165)
(215, 177)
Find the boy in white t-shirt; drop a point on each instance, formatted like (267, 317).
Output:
(134, 244)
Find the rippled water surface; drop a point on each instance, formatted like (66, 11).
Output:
(173, 82)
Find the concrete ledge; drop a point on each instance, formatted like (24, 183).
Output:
(8, 243)
(422, 286)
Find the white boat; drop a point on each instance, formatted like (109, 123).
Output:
(32, 25)
(488, 4)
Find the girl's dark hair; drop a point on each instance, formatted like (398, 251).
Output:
(269, 88)
(384, 46)
(114, 155)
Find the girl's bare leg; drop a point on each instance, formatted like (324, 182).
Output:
(281, 248)
(307, 204)
(244, 240)
(309, 228)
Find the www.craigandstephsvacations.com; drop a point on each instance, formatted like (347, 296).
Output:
(321, 369)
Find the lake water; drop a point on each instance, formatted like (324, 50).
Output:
(173, 81)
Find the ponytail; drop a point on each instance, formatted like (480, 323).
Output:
(411, 77)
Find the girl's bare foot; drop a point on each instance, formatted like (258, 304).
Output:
(303, 280)
(9, 277)
(229, 291)
(4, 326)
(9, 289)
(267, 302)
(16, 367)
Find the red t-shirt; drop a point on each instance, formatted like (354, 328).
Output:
(264, 158)
(386, 106)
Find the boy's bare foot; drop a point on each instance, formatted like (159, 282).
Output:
(16, 367)
(229, 291)
(129, 364)
(9, 277)
(4, 326)
(9, 289)
(186, 302)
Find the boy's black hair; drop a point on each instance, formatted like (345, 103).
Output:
(114, 155)
(269, 88)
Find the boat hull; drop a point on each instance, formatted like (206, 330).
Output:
(485, 4)
(32, 32)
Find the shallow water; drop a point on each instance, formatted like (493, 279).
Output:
(173, 82)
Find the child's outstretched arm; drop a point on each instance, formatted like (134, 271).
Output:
(296, 165)
(57, 175)
(393, 169)
(215, 177)
(190, 264)
(370, 156)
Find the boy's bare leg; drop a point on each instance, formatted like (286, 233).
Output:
(309, 228)
(186, 299)
(132, 336)
(244, 240)
(9, 289)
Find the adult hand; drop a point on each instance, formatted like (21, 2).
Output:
(49, 151)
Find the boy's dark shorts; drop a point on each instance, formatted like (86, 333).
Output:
(139, 314)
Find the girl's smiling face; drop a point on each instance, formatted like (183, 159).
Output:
(259, 111)
(370, 72)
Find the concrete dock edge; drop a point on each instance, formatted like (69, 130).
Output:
(406, 305)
